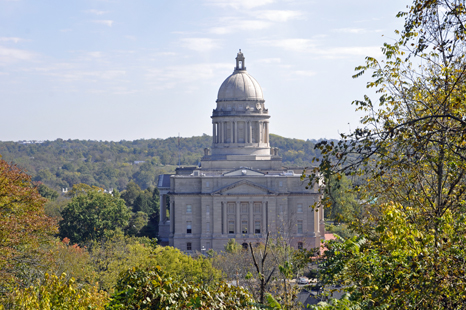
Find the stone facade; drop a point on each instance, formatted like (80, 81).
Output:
(241, 190)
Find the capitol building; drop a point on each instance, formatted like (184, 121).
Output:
(241, 189)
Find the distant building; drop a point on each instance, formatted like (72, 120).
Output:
(241, 190)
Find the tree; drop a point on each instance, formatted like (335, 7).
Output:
(91, 215)
(152, 288)
(59, 293)
(24, 229)
(47, 192)
(411, 151)
(131, 193)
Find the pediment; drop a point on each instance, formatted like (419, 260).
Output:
(242, 171)
(244, 188)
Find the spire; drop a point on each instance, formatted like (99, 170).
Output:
(240, 61)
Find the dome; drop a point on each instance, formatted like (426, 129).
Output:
(240, 86)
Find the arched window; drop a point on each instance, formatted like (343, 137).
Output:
(300, 245)
(189, 247)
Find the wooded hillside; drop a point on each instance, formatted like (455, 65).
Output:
(63, 163)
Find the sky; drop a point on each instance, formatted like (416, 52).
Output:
(140, 69)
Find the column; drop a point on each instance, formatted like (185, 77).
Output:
(172, 217)
(213, 134)
(266, 132)
(260, 132)
(231, 131)
(251, 218)
(250, 131)
(238, 219)
(162, 207)
(236, 132)
(264, 218)
(225, 222)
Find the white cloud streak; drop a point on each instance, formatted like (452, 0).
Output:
(11, 39)
(12, 55)
(278, 15)
(239, 4)
(96, 12)
(200, 44)
(170, 77)
(106, 22)
(232, 24)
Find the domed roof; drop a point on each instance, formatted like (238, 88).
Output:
(240, 86)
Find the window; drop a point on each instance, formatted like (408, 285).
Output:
(207, 184)
(244, 208)
(207, 228)
(207, 245)
(257, 208)
(300, 227)
(189, 209)
(257, 227)
(189, 247)
(281, 209)
(207, 210)
(244, 227)
(300, 245)
(300, 208)
(280, 183)
(189, 227)
(231, 208)
(231, 227)
(245, 246)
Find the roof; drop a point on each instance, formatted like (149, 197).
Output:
(240, 86)
(164, 181)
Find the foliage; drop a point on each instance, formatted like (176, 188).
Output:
(63, 163)
(117, 253)
(58, 293)
(402, 266)
(47, 192)
(24, 229)
(232, 246)
(91, 215)
(411, 150)
(343, 204)
(152, 288)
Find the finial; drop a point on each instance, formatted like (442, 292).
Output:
(240, 61)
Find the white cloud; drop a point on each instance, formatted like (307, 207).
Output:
(304, 73)
(341, 52)
(104, 22)
(269, 60)
(296, 45)
(278, 15)
(89, 76)
(95, 54)
(310, 47)
(235, 24)
(170, 77)
(200, 44)
(239, 4)
(96, 12)
(10, 39)
(66, 30)
(350, 30)
(12, 55)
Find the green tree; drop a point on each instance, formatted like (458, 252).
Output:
(58, 293)
(91, 215)
(47, 192)
(131, 193)
(25, 230)
(153, 288)
(411, 151)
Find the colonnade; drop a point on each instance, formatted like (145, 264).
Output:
(239, 216)
(220, 132)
